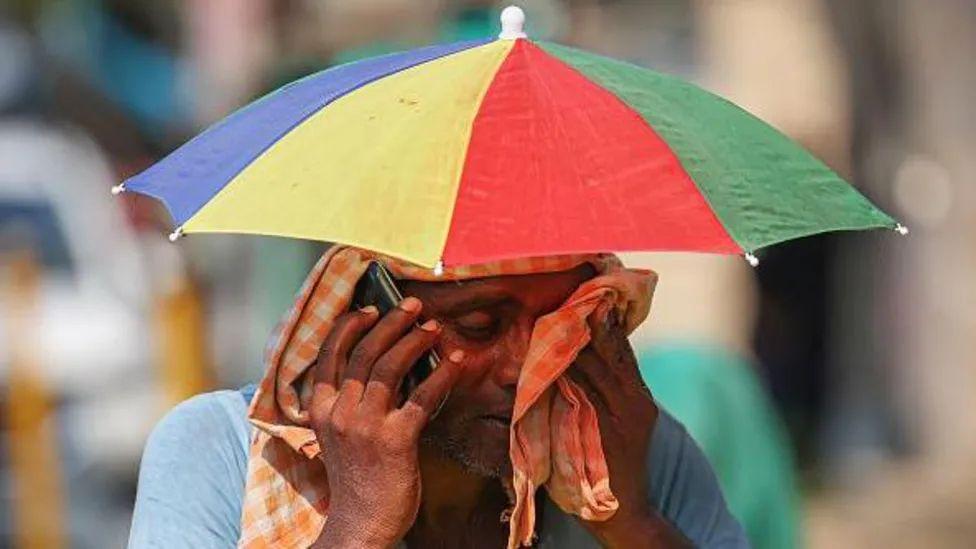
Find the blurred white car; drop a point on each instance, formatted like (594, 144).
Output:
(92, 333)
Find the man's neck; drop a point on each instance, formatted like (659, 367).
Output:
(455, 503)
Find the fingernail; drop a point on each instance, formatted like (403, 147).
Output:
(369, 310)
(410, 304)
(430, 326)
(456, 356)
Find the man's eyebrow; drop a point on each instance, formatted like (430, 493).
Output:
(476, 302)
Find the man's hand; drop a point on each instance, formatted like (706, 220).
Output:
(369, 444)
(607, 371)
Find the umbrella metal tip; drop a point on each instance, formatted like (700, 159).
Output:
(513, 22)
(176, 234)
(901, 229)
(439, 269)
(118, 189)
(752, 260)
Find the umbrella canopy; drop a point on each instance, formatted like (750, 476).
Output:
(483, 150)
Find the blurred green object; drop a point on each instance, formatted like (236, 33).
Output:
(279, 267)
(717, 396)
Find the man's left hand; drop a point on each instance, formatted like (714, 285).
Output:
(607, 371)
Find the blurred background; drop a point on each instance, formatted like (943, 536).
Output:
(832, 387)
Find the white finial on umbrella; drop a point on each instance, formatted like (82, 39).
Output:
(176, 234)
(118, 189)
(439, 269)
(513, 20)
(753, 260)
(901, 229)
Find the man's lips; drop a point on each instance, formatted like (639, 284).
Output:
(500, 419)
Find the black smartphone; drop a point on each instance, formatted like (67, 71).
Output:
(377, 287)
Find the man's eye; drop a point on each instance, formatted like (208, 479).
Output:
(476, 326)
(486, 333)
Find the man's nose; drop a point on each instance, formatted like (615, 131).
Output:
(515, 347)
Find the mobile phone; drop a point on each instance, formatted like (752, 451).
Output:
(377, 288)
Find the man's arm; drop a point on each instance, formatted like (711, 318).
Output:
(372, 461)
(635, 433)
(638, 529)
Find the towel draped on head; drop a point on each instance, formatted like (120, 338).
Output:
(555, 439)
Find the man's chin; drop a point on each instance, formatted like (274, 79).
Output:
(482, 450)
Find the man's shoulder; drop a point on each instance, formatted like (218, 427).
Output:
(216, 416)
(209, 431)
(684, 488)
(191, 480)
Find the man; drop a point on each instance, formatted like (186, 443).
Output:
(541, 387)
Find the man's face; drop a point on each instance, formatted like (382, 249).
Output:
(491, 320)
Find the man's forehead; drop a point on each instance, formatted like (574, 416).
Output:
(500, 287)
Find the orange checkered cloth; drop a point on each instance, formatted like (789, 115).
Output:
(555, 438)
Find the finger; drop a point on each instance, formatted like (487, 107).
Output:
(346, 331)
(339, 341)
(388, 372)
(384, 335)
(427, 398)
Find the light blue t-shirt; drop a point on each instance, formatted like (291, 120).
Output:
(191, 483)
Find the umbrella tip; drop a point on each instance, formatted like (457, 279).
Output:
(176, 234)
(118, 189)
(513, 21)
(901, 229)
(752, 260)
(439, 269)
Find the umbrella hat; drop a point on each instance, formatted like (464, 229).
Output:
(483, 150)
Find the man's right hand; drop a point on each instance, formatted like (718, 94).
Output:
(369, 444)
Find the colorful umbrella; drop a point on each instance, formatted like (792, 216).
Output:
(475, 151)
